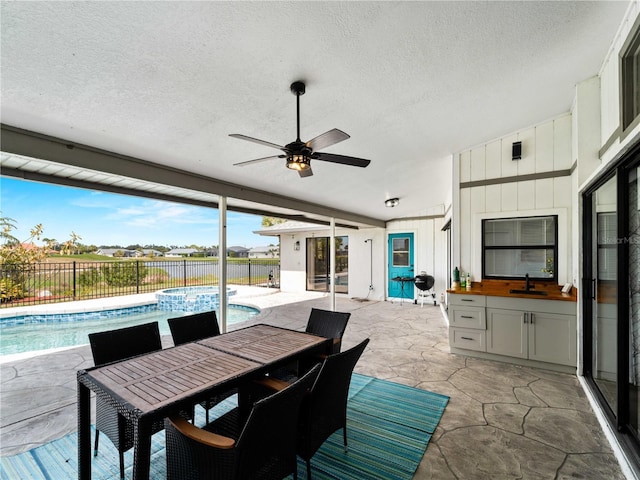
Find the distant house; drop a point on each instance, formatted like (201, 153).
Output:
(150, 252)
(270, 251)
(32, 246)
(182, 252)
(115, 252)
(238, 252)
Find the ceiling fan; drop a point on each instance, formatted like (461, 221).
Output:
(298, 153)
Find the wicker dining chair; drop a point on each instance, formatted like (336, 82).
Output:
(328, 324)
(324, 409)
(323, 323)
(194, 327)
(191, 328)
(111, 346)
(259, 447)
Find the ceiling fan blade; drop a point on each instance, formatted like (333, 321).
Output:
(305, 173)
(327, 139)
(256, 160)
(255, 140)
(342, 159)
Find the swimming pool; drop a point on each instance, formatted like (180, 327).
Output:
(30, 333)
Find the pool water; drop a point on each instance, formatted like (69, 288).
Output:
(39, 335)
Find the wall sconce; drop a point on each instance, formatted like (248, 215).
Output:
(516, 151)
(391, 202)
(296, 245)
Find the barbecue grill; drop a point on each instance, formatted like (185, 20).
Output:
(424, 284)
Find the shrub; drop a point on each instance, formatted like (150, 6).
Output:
(9, 290)
(89, 277)
(123, 274)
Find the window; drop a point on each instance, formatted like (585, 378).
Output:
(630, 81)
(514, 247)
(400, 247)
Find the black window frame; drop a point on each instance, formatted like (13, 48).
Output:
(485, 248)
(629, 73)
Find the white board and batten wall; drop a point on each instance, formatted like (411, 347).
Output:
(492, 185)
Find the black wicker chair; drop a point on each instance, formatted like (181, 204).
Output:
(111, 346)
(324, 410)
(329, 325)
(261, 447)
(323, 323)
(191, 328)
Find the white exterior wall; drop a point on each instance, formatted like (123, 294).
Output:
(610, 88)
(362, 270)
(292, 263)
(368, 259)
(545, 148)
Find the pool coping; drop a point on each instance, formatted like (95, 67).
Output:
(78, 306)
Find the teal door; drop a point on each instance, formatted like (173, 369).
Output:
(400, 265)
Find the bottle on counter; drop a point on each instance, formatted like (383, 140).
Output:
(468, 282)
(463, 280)
(456, 278)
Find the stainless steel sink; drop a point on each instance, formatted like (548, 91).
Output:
(529, 292)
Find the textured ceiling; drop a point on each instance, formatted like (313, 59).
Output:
(411, 82)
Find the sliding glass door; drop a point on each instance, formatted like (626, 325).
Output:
(611, 297)
(318, 265)
(604, 324)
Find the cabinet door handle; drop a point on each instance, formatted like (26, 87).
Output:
(466, 300)
(466, 338)
(531, 318)
(465, 316)
(524, 317)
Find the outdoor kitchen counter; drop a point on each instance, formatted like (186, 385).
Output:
(501, 288)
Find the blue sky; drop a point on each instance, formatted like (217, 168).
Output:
(107, 219)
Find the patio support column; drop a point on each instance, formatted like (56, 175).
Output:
(332, 264)
(222, 262)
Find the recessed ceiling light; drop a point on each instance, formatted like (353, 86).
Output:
(392, 202)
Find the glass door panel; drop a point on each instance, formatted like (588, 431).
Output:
(633, 243)
(604, 274)
(318, 264)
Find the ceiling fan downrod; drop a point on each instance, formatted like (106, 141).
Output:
(298, 88)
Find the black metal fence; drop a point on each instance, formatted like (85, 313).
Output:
(60, 282)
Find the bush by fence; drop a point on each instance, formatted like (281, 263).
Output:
(59, 282)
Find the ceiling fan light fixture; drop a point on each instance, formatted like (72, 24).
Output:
(298, 162)
(391, 202)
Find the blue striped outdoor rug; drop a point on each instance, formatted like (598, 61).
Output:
(389, 426)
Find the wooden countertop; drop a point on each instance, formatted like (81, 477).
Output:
(500, 288)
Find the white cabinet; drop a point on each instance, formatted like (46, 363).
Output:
(541, 330)
(541, 336)
(552, 338)
(507, 333)
(530, 329)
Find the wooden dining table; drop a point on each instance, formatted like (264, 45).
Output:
(152, 386)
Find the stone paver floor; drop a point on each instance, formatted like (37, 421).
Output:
(502, 421)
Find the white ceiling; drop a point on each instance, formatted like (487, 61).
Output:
(411, 82)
